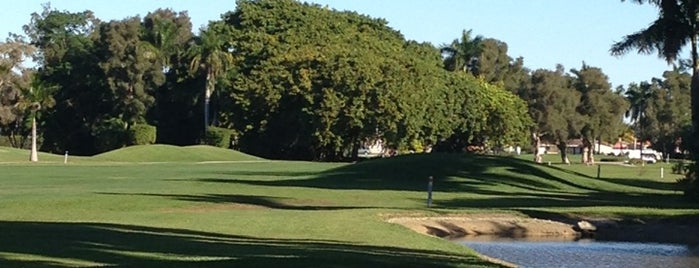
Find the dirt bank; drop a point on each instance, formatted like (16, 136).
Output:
(486, 224)
(511, 226)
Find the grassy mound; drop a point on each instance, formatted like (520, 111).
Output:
(170, 153)
(9, 154)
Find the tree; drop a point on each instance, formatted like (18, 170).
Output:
(13, 52)
(35, 98)
(671, 104)
(677, 26)
(211, 56)
(175, 110)
(67, 58)
(315, 83)
(493, 63)
(132, 68)
(551, 103)
(666, 111)
(462, 54)
(638, 97)
(599, 108)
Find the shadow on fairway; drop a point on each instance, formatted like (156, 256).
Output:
(252, 200)
(53, 244)
(411, 173)
(648, 184)
(524, 184)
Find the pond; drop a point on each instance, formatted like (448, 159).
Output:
(584, 253)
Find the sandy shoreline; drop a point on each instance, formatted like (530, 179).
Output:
(511, 226)
(491, 224)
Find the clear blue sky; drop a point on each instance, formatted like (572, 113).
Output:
(544, 32)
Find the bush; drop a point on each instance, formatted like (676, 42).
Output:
(690, 184)
(141, 134)
(110, 134)
(680, 167)
(219, 137)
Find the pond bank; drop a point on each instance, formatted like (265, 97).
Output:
(511, 226)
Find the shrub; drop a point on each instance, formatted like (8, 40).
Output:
(141, 134)
(680, 167)
(219, 137)
(690, 184)
(110, 134)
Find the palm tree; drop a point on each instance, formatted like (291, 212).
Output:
(36, 97)
(638, 98)
(210, 56)
(462, 54)
(676, 27)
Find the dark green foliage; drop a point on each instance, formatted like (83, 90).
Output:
(219, 137)
(141, 134)
(110, 135)
(681, 167)
(690, 184)
(316, 84)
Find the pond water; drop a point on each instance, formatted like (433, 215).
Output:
(585, 253)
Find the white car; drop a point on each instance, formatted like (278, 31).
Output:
(649, 158)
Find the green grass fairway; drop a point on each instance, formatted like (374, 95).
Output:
(166, 206)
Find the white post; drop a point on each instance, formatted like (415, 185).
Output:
(65, 158)
(662, 170)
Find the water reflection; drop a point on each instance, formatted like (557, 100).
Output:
(584, 253)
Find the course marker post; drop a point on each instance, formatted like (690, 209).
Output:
(65, 158)
(662, 171)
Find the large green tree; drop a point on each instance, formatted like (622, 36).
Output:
(660, 111)
(551, 102)
(315, 83)
(13, 52)
(599, 108)
(67, 58)
(676, 27)
(177, 109)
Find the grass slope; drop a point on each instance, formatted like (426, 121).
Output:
(137, 154)
(170, 153)
(9, 154)
(283, 213)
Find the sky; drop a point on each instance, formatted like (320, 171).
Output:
(544, 32)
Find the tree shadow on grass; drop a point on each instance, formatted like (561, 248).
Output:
(59, 244)
(647, 184)
(252, 200)
(511, 182)
(452, 172)
(269, 173)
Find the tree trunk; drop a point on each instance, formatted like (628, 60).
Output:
(562, 150)
(536, 143)
(694, 146)
(34, 156)
(588, 152)
(209, 89)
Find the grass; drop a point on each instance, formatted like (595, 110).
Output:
(166, 206)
